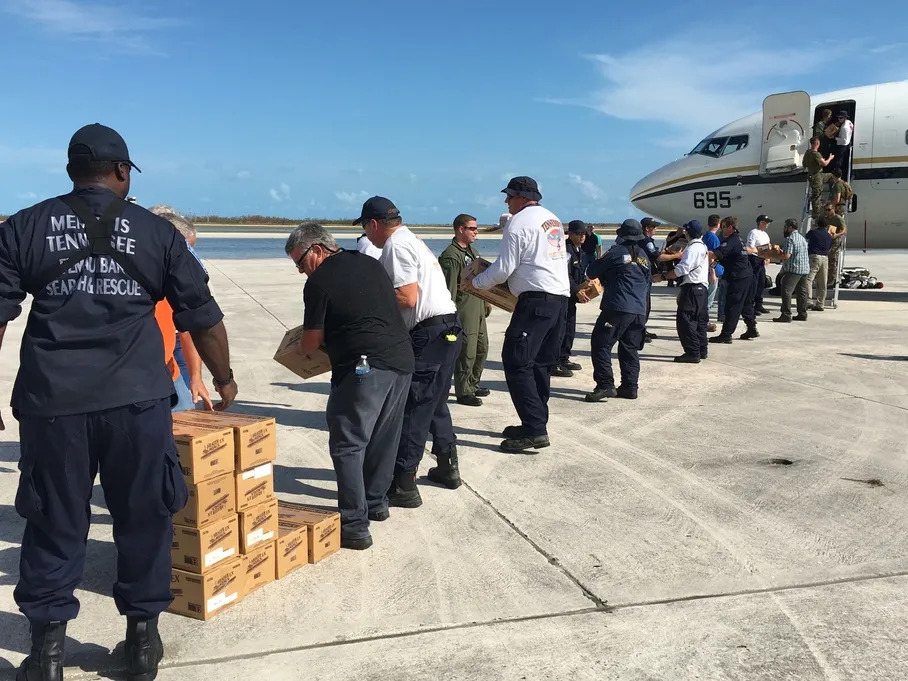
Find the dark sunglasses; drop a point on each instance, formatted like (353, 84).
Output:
(299, 261)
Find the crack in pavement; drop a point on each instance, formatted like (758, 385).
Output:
(605, 610)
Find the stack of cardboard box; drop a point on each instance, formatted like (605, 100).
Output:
(231, 538)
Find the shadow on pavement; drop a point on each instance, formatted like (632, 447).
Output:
(294, 418)
(289, 480)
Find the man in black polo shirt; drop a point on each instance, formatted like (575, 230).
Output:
(733, 255)
(819, 241)
(93, 394)
(351, 309)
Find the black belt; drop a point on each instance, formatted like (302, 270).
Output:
(437, 319)
(540, 295)
(693, 284)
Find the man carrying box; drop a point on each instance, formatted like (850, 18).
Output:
(350, 308)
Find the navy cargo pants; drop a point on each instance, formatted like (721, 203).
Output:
(436, 346)
(532, 344)
(692, 318)
(738, 304)
(570, 331)
(758, 265)
(627, 330)
(140, 473)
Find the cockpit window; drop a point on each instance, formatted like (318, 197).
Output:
(711, 147)
(734, 144)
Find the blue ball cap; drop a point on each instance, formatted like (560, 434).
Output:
(694, 228)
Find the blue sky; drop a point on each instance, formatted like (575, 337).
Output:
(306, 108)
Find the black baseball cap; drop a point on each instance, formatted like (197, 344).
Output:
(764, 218)
(576, 227)
(523, 186)
(631, 230)
(377, 208)
(648, 223)
(99, 143)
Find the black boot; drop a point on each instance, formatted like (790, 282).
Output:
(143, 649)
(447, 472)
(45, 662)
(404, 493)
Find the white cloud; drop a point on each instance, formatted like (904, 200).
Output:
(882, 49)
(282, 193)
(101, 21)
(352, 197)
(489, 201)
(506, 177)
(695, 91)
(589, 189)
(413, 177)
(27, 196)
(243, 175)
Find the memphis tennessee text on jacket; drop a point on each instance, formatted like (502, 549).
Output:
(66, 237)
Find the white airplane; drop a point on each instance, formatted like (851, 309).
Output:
(754, 166)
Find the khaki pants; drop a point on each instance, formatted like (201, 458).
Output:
(819, 272)
(794, 284)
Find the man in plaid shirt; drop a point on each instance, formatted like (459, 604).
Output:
(795, 268)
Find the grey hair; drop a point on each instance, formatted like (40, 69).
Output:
(161, 208)
(183, 226)
(309, 234)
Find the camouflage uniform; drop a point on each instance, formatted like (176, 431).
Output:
(833, 277)
(815, 175)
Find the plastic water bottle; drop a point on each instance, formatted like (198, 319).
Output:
(362, 366)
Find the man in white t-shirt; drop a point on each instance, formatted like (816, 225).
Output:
(366, 247)
(758, 238)
(533, 261)
(431, 316)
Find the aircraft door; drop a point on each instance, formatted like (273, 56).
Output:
(786, 133)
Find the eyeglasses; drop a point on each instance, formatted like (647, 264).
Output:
(299, 261)
(472, 229)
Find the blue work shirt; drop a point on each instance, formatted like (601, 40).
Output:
(712, 243)
(91, 341)
(732, 254)
(626, 274)
(576, 275)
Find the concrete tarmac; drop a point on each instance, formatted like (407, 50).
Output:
(745, 518)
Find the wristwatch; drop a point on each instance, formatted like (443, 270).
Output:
(224, 384)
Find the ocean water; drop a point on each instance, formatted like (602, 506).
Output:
(228, 248)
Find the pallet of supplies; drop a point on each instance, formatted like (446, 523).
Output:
(303, 365)
(257, 525)
(204, 596)
(258, 564)
(199, 549)
(324, 527)
(206, 450)
(255, 437)
(592, 288)
(292, 550)
(208, 501)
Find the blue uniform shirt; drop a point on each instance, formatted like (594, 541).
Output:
(626, 274)
(732, 254)
(575, 267)
(712, 243)
(91, 341)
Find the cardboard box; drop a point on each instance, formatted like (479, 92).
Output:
(205, 451)
(500, 296)
(258, 525)
(292, 547)
(304, 366)
(324, 527)
(254, 437)
(592, 288)
(254, 487)
(209, 500)
(199, 549)
(204, 596)
(259, 566)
